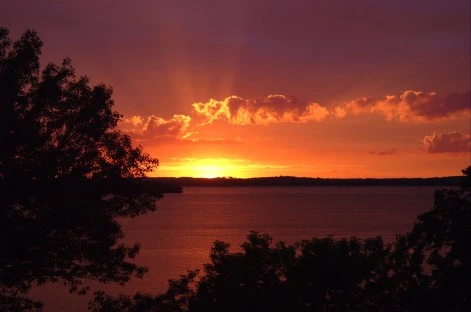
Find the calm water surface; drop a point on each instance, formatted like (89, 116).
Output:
(179, 234)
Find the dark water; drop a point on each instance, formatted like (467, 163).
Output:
(179, 235)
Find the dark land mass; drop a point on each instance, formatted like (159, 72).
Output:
(175, 184)
(156, 186)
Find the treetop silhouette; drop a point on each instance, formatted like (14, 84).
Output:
(66, 174)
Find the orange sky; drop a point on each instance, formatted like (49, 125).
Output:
(394, 136)
(266, 88)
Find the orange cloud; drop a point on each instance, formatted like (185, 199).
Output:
(216, 141)
(410, 106)
(451, 142)
(272, 109)
(383, 153)
(155, 127)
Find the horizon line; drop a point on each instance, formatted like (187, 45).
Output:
(303, 177)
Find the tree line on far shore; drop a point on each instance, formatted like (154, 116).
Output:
(305, 181)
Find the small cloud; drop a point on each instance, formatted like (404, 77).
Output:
(271, 109)
(134, 120)
(175, 126)
(213, 109)
(451, 142)
(340, 112)
(221, 164)
(410, 106)
(383, 153)
(216, 141)
(154, 127)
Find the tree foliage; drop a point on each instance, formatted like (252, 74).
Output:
(427, 269)
(444, 236)
(66, 175)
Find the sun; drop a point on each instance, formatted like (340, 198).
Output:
(209, 171)
(209, 168)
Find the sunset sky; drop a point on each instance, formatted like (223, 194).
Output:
(242, 88)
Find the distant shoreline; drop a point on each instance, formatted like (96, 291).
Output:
(295, 181)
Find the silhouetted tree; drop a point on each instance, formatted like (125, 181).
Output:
(443, 236)
(66, 175)
(177, 298)
(247, 280)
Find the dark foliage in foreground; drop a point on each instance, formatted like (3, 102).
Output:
(66, 175)
(428, 269)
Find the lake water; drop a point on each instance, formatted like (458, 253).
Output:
(179, 234)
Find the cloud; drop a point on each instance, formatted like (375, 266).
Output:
(410, 106)
(383, 153)
(136, 121)
(277, 108)
(272, 109)
(340, 112)
(450, 142)
(224, 163)
(175, 128)
(154, 127)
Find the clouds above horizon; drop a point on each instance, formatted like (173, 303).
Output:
(268, 131)
(383, 153)
(271, 109)
(450, 142)
(409, 106)
(154, 127)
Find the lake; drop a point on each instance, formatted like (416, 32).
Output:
(179, 234)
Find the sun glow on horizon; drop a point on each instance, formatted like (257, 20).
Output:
(215, 167)
(245, 168)
(210, 171)
(203, 168)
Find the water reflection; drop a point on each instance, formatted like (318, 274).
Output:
(179, 235)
